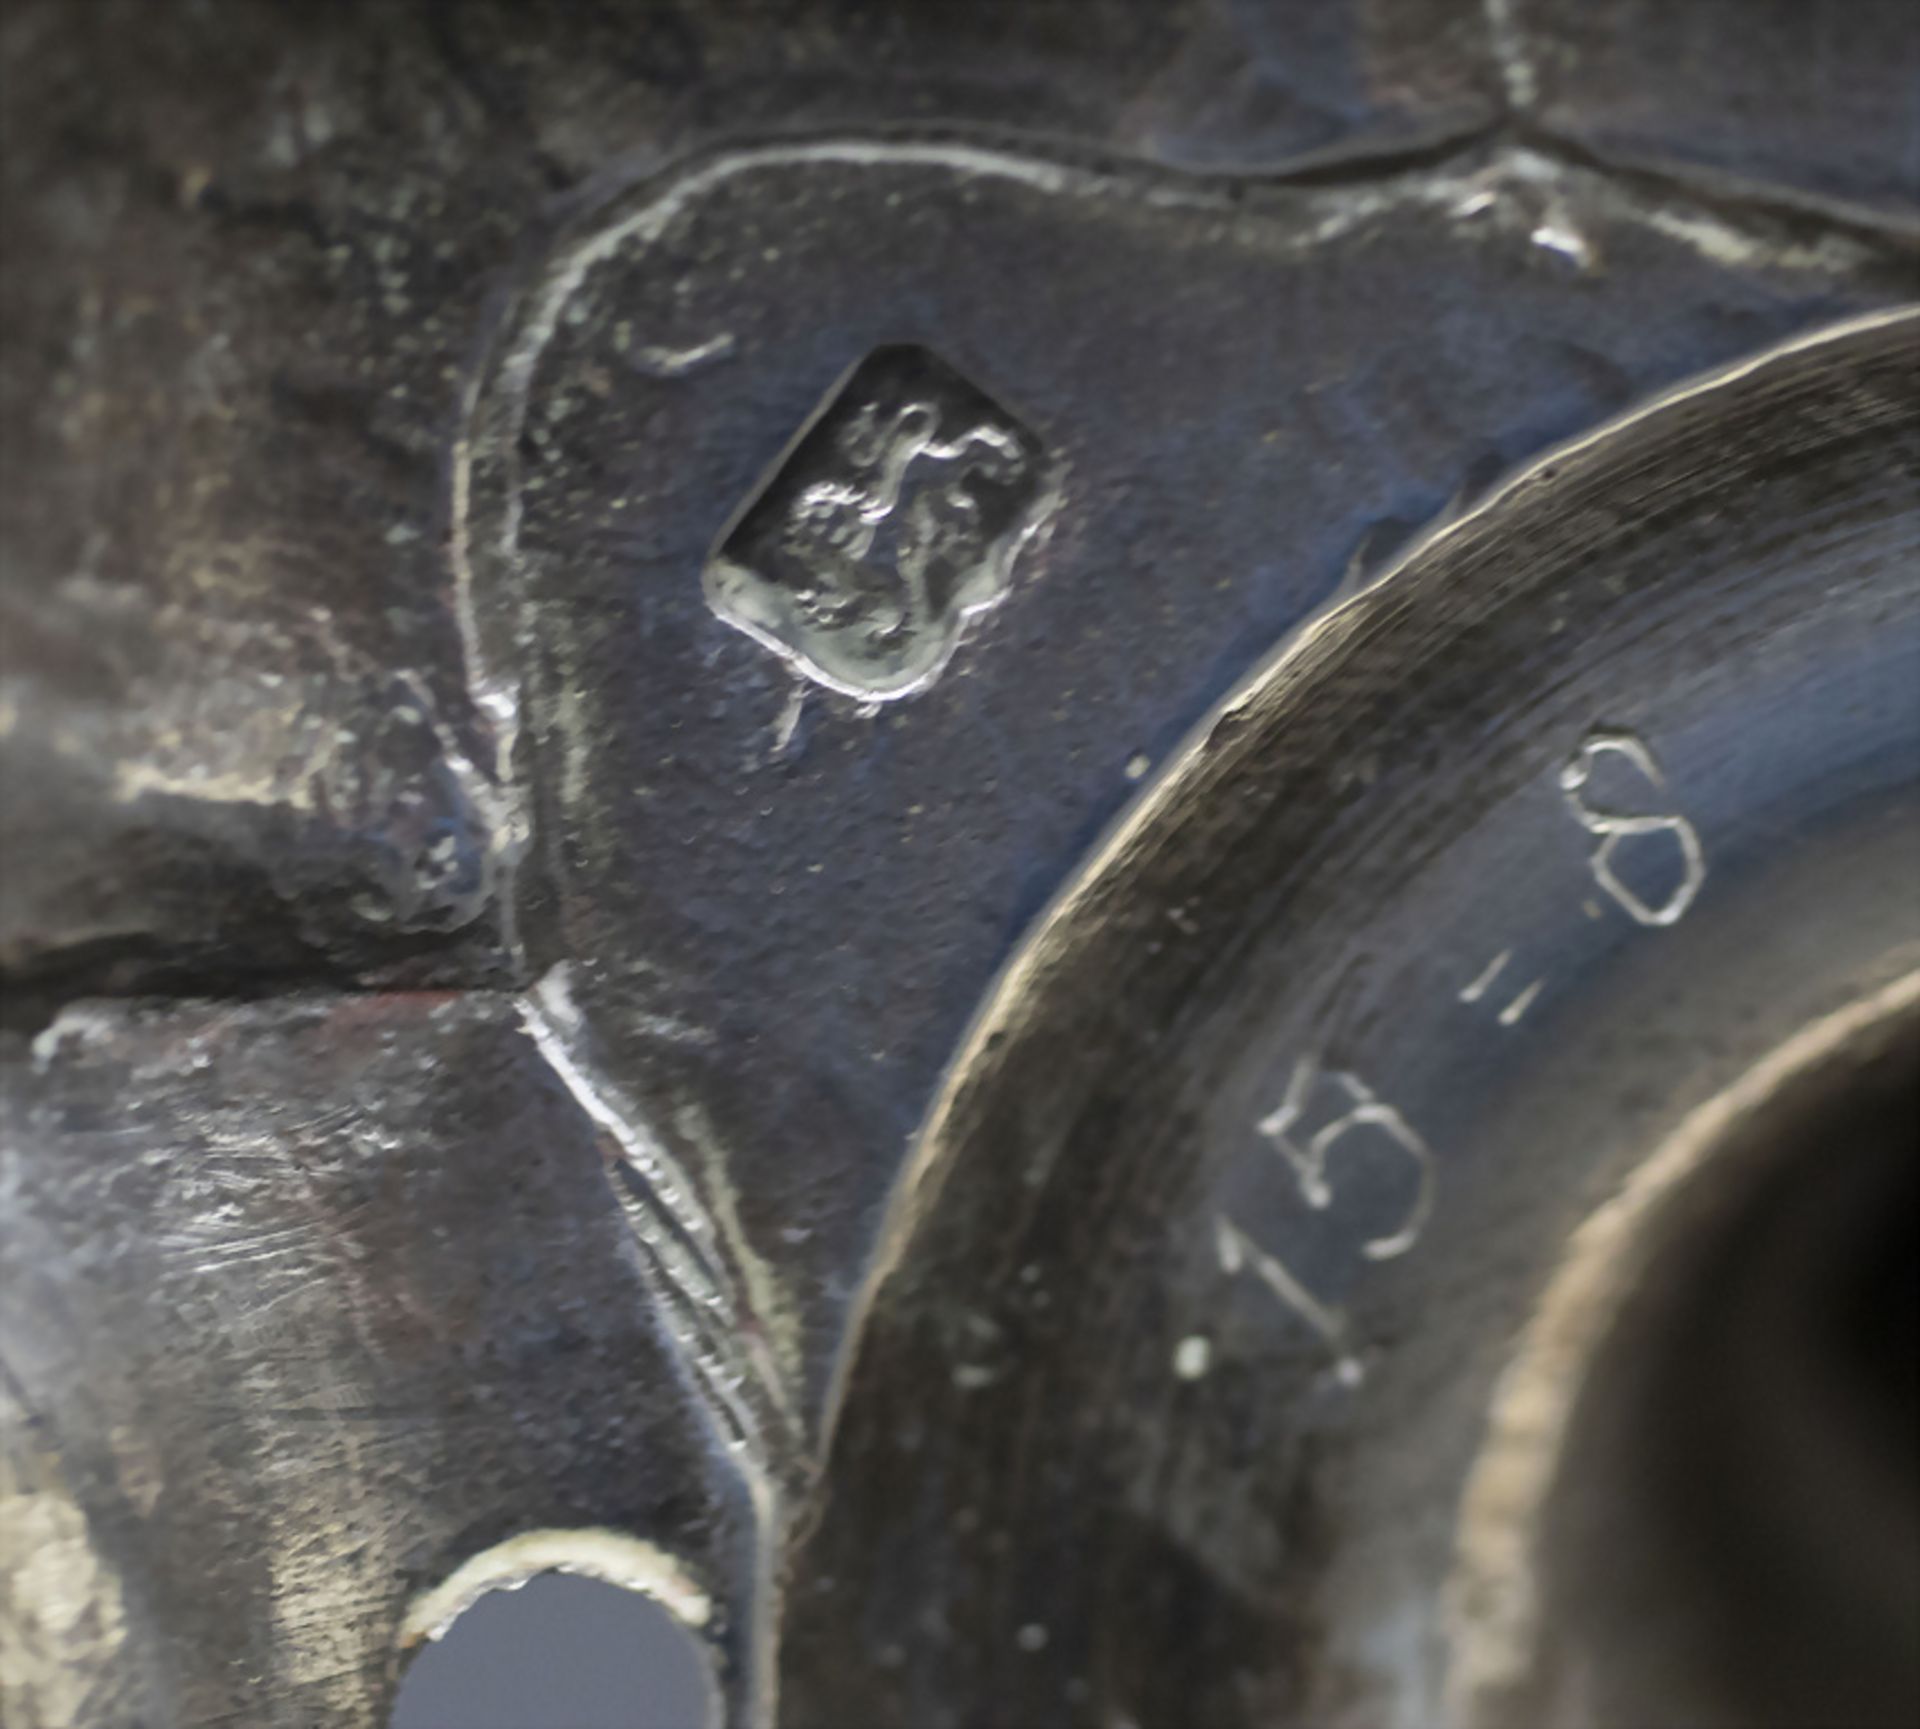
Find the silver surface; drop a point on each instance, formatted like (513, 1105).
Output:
(516, 788)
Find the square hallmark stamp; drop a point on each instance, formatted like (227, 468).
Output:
(895, 513)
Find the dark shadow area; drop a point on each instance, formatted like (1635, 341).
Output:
(1738, 1535)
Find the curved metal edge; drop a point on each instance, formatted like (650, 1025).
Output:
(1002, 1007)
(1492, 1598)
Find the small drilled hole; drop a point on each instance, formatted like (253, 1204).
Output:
(559, 1652)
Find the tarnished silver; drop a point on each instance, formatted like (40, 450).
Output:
(895, 516)
(953, 835)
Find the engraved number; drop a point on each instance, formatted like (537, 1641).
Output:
(1239, 1253)
(1615, 826)
(1364, 1109)
(1307, 1155)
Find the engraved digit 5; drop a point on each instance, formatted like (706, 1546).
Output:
(1365, 1109)
(1614, 826)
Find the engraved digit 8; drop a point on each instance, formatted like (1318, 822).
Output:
(1614, 826)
